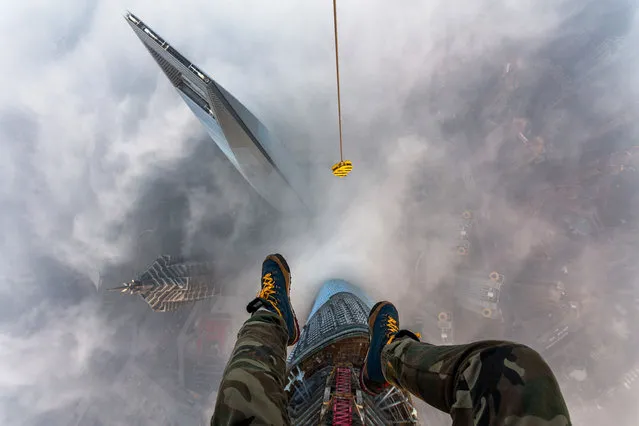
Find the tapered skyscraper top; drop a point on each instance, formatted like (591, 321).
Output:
(172, 282)
(263, 161)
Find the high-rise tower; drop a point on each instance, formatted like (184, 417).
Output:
(323, 368)
(261, 159)
(172, 282)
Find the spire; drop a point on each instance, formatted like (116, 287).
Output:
(121, 289)
(133, 287)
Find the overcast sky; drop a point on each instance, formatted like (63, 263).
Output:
(92, 135)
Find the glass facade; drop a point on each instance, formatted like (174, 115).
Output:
(212, 127)
(332, 287)
(264, 162)
(340, 310)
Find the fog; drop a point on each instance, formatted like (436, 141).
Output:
(521, 112)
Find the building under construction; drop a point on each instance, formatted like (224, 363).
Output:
(323, 368)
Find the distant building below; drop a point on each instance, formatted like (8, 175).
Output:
(481, 294)
(172, 282)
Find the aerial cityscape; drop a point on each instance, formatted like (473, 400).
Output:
(494, 197)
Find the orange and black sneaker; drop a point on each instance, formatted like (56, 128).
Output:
(383, 328)
(274, 294)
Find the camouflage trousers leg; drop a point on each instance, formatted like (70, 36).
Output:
(252, 388)
(483, 383)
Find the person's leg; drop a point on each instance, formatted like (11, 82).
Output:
(482, 383)
(252, 388)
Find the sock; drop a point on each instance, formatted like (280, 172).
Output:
(262, 309)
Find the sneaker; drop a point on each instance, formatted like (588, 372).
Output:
(274, 294)
(383, 326)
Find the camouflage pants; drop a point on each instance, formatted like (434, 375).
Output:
(483, 383)
(252, 388)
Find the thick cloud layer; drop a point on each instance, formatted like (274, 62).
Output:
(104, 168)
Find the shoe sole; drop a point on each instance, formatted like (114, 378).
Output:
(286, 271)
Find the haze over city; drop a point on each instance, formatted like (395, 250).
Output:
(519, 113)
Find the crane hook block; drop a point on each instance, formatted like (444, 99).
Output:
(342, 169)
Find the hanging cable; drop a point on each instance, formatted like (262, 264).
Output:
(339, 97)
(343, 168)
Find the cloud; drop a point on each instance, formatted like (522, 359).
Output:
(69, 340)
(103, 166)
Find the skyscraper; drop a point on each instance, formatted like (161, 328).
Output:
(263, 161)
(323, 368)
(171, 282)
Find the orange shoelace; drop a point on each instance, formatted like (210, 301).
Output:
(393, 328)
(268, 289)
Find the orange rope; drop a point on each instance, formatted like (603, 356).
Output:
(339, 102)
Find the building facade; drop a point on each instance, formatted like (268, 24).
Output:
(172, 282)
(323, 368)
(263, 161)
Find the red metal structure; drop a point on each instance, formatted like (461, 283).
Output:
(342, 401)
